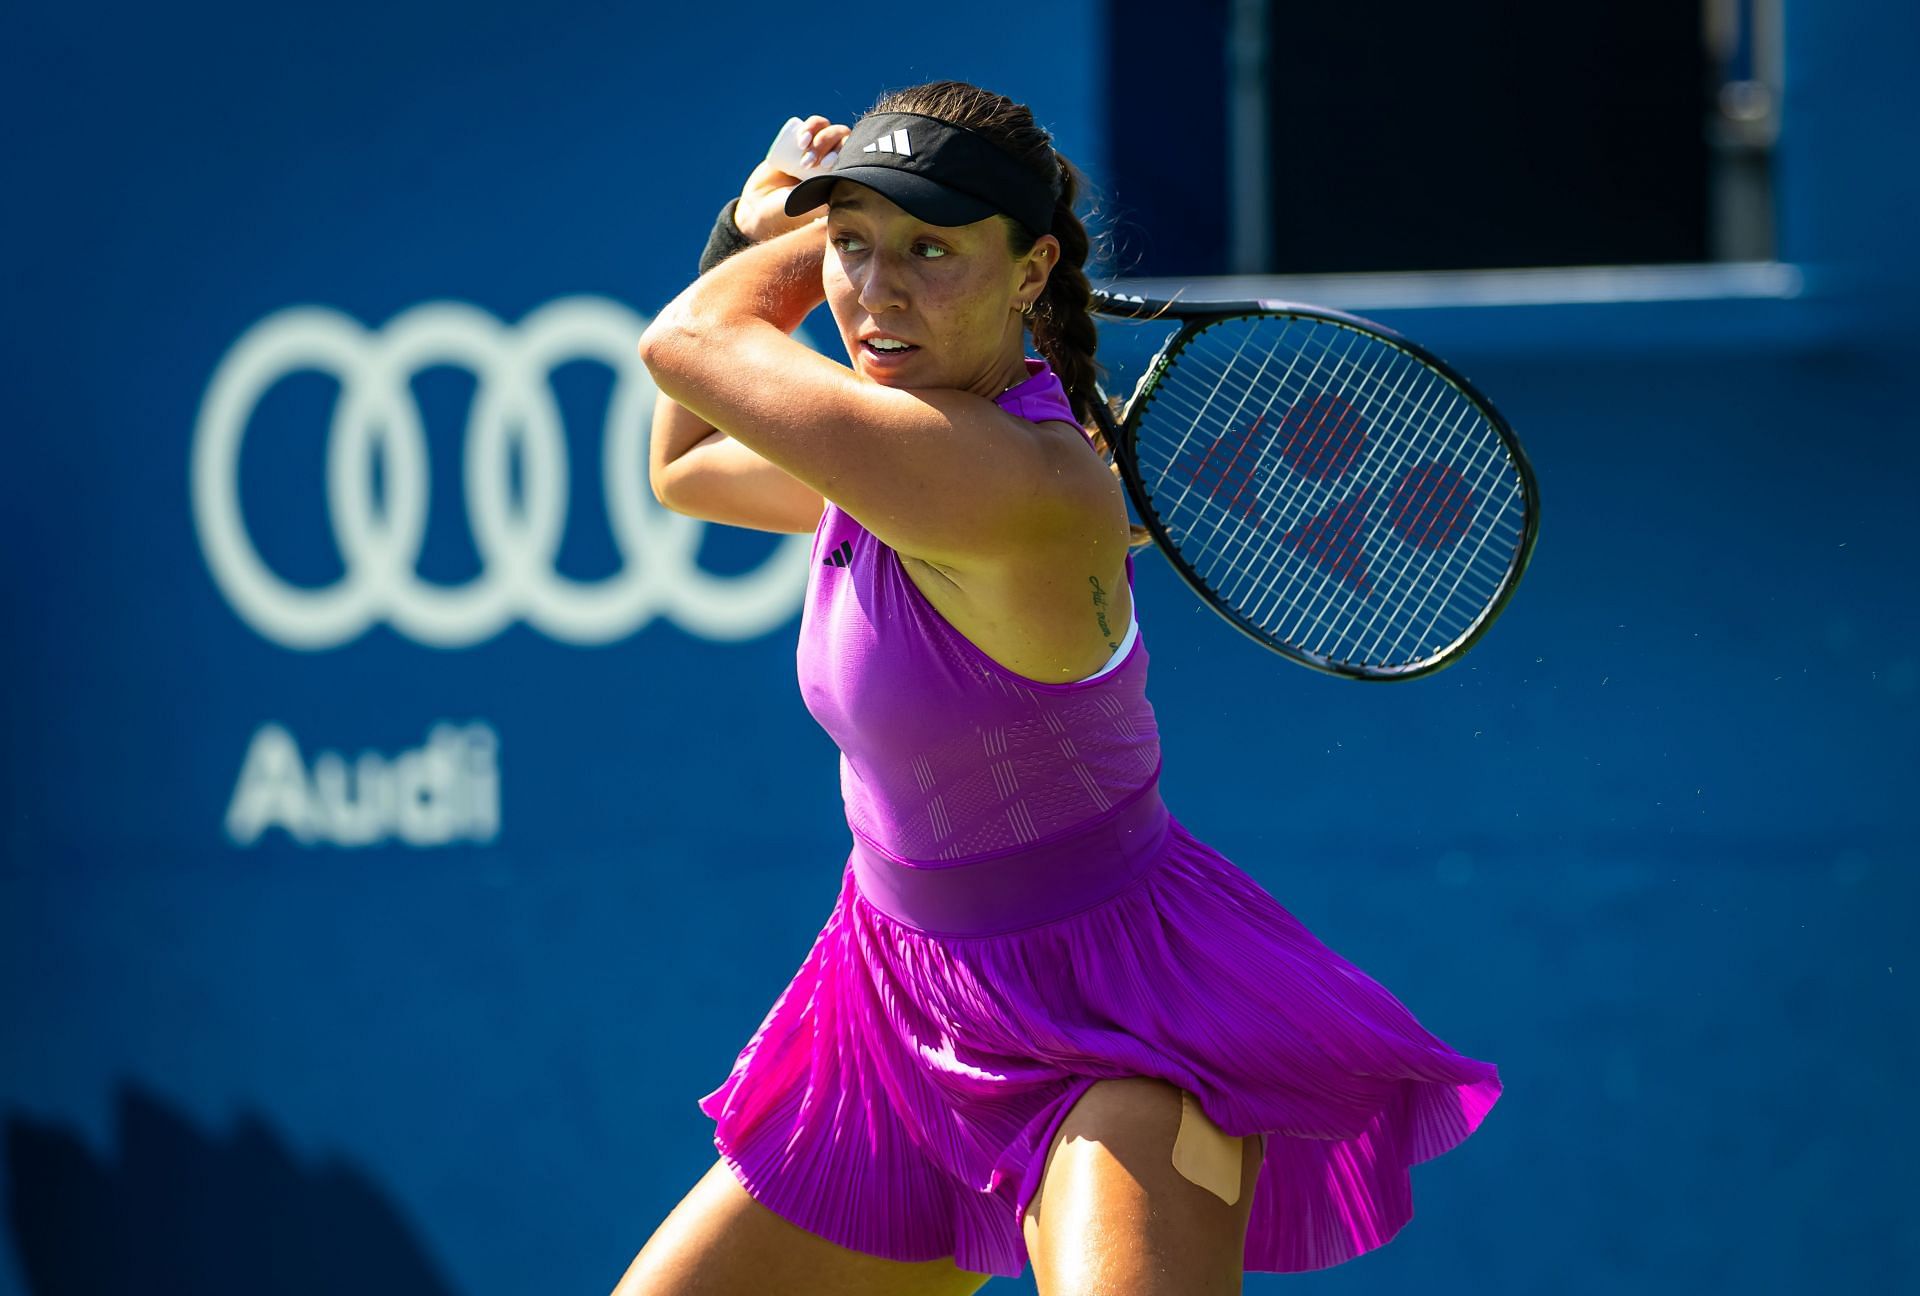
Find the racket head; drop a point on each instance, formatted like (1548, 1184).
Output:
(1335, 523)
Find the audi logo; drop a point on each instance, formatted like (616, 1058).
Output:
(513, 417)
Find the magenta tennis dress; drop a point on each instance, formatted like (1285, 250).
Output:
(1021, 916)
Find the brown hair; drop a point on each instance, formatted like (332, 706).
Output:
(1062, 319)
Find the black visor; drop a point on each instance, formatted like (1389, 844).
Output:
(941, 173)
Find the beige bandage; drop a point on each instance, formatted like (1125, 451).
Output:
(1206, 1154)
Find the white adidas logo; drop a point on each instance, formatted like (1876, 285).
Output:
(894, 143)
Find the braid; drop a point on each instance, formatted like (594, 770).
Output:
(1062, 323)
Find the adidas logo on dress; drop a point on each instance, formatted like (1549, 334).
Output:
(894, 143)
(840, 557)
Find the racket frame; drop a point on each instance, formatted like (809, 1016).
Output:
(1194, 317)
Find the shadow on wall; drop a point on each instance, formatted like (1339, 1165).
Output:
(184, 1211)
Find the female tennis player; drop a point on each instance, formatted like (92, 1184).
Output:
(1043, 1022)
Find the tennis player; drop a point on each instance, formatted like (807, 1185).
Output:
(1043, 1022)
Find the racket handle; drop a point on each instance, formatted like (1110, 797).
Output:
(785, 153)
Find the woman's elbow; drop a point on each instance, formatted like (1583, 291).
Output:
(669, 336)
(657, 343)
(683, 353)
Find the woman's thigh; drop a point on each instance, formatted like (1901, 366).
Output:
(1112, 1213)
(721, 1242)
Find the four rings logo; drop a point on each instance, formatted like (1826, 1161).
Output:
(514, 419)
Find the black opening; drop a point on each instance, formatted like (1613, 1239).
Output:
(1416, 136)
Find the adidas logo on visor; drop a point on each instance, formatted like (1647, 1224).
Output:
(894, 143)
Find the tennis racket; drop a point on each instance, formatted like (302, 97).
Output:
(1334, 490)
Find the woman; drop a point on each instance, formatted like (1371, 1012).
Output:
(1043, 1022)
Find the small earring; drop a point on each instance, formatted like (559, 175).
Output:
(1027, 309)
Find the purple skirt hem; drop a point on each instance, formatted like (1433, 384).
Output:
(900, 1095)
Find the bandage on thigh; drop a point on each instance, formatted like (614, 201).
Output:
(1205, 1154)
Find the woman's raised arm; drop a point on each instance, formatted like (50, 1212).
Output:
(940, 473)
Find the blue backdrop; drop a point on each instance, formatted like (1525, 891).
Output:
(392, 853)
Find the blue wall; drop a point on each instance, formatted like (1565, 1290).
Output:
(1639, 848)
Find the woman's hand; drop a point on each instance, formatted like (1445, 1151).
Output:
(761, 213)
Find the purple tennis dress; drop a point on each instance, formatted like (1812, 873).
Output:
(1021, 916)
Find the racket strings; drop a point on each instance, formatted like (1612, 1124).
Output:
(1404, 391)
(1346, 559)
(1337, 492)
(1313, 500)
(1347, 591)
(1335, 566)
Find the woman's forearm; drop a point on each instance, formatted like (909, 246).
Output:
(676, 431)
(776, 282)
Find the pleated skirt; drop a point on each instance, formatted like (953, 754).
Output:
(900, 1095)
